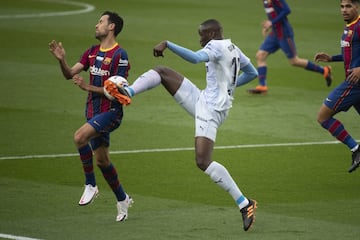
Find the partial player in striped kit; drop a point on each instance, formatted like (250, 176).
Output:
(103, 116)
(347, 93)
(279, 34)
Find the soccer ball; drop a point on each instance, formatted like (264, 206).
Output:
(119, 82)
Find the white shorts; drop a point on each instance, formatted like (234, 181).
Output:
(207, 120)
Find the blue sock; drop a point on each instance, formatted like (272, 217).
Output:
(130, 91)
(262, 75)
(111, 176)
(86, 157)
(337, 129)
(314, 67)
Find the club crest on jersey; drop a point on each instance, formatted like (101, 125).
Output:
(107, 61)
(348, 33)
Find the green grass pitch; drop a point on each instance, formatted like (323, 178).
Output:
(303, 191)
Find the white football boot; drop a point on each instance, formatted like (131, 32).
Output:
(122, 207)
(89, 195)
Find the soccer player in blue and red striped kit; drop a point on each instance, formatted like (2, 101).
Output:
(103, 116)
(279, 34)
(347, 93)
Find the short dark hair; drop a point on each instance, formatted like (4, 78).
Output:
(116, 19)
(213, 23)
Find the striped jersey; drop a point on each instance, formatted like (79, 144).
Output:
(350, 45)
(101, 64)
(277, 11)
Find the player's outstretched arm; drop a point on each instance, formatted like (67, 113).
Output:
(187, 54)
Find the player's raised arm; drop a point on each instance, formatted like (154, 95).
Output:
(59, 53)
(187, 54)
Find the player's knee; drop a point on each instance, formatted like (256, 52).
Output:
(259, 56)
(320, 119)
(324, 115)
(79, 139)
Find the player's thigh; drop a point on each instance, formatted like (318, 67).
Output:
(187, 95)
(104, 124)
(207, 120)
(270, 44)
(343, 97)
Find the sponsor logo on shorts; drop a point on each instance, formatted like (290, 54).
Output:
(96, 123)
(201, 119)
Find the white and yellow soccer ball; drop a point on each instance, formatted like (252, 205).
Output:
(119, 82)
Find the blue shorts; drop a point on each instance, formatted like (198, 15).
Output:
(271, 44)
(343, 97)
(105, 123)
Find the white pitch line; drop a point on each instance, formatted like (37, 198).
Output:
(86, 8)
(7, 236)
(175, 149)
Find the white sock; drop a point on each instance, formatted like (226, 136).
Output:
(146, 81)
(221, 177)
(355, 148)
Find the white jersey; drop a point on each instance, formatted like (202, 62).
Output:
(222, 69)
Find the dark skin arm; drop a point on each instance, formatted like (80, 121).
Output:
(159, 49)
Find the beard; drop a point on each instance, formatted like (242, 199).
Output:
(99, 36)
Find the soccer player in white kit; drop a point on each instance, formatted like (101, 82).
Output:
(209, 107)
